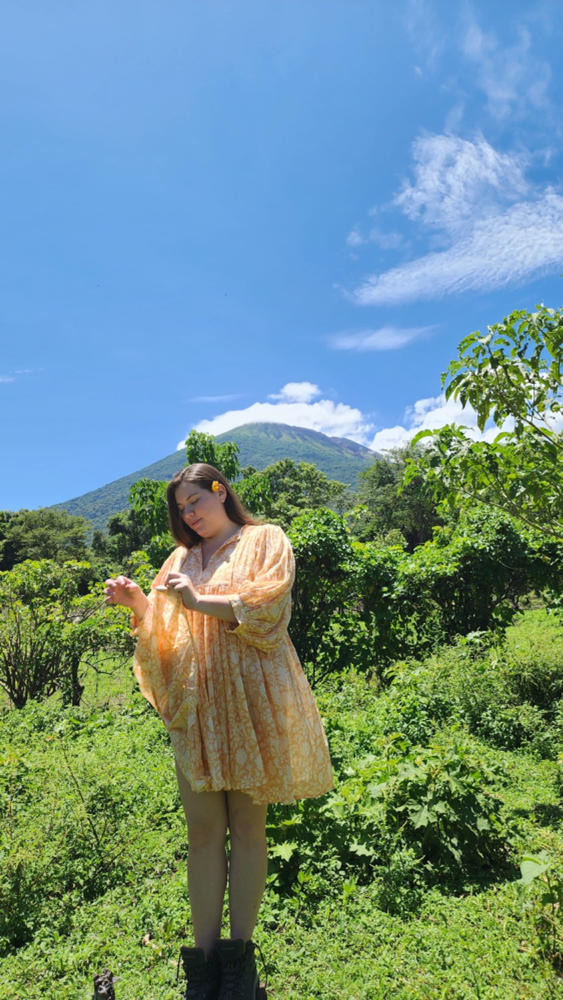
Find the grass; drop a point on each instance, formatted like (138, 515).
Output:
(102, 870)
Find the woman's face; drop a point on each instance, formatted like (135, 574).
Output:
(202, 510)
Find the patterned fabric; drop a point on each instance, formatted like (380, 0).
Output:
(234, 698)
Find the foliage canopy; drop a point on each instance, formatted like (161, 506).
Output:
(512, 374)
(45, 533)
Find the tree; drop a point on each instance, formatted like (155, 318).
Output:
(126, 533)
(412, 511)
(255, 491)
(148, 502)
(50, 631)
(45, 533)
(202, 447)
(285, 488)
(512, 374)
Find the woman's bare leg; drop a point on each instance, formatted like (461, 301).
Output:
(248, 862)
(206, 816)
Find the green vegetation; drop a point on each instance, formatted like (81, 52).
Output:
(405, 881)
(513, 374)
(427, 613)
(407, 518)
(41, 534)
(52, 630)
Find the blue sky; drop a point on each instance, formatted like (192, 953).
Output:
(216, 212)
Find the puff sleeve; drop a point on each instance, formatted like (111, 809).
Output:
(165, 655)
(262, 606)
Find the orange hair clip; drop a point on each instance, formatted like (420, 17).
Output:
(215, 486)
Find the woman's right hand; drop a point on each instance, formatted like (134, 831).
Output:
(122, 590)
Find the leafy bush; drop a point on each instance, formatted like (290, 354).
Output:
(362, 605)
(542, 895)
(479, 683)
(401, 883)
(534, 660)
(51, 628)
(325, 592)
(439, 801)
(425, 812)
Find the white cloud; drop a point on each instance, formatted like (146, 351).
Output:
(386, 338)
(387, 241)
(495, 228)
(215, 399)
(452, 176)
(355, 238)
(426, 35)
(297, 392)
(324, 415)
(513, 80)
(430, 414)
(7, 378)
(507, 248)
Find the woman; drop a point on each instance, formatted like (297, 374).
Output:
(214, 658)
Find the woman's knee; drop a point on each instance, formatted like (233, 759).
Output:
(247, 823)
(204, 833)
(206, 814)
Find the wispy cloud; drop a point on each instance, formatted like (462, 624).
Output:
(18, 372)
(424, 32)
(513, 73)
(496, 229)
(215, 399)
(386, 240)
(334, 419)
(386, 338)
(513, 78)
(453, 177)
(355, 238)
(504, 249)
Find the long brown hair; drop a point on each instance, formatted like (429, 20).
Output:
(203, 476)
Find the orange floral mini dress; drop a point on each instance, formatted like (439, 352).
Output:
(234, 698)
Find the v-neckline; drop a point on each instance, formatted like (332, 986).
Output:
(231, 538)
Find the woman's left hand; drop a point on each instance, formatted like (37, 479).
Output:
(182, 583)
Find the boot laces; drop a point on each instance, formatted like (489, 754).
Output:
(231, 982)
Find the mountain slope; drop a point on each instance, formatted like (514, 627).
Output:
(260, 445)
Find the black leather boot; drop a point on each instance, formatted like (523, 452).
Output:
(239, 977)
(202, 974)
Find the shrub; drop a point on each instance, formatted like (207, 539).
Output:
(363, 605)
(439, 801)
(542, 896)
(426, 810)
(480, 684)
(51, 628)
